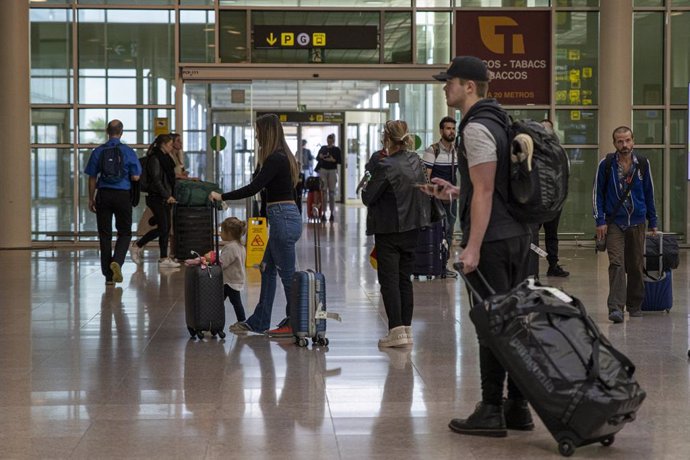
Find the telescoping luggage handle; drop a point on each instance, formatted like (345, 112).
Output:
(216, 243)
(317, 242)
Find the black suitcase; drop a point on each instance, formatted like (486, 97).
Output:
(581, 387)
(308, 313)
(204, 296)
(661, 252)
(192, 230)
(431, 253)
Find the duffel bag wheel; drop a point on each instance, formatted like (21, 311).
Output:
(200, 335)
(302, 342)
(221, 334)
(192, 332)
(608, 441)
(566, 448)
(324, 342)
(213, 334)
(688, 353)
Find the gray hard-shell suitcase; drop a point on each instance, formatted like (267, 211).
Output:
(308, 301)
(203, 295)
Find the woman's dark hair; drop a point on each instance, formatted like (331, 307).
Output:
(156, 144)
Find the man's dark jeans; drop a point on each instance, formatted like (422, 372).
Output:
(111, 202)
(395, 263)
(503, 264)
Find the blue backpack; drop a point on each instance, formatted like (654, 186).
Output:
(112, 165)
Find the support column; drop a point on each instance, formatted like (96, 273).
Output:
(615, 70)
(15, 119)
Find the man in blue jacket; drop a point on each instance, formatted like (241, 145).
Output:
(623, 199)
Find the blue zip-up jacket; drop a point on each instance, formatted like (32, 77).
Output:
(641, 192)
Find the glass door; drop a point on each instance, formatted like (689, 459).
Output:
(363, 138)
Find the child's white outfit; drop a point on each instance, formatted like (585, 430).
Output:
(232, 259)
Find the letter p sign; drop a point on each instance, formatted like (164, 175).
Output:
(495, 42)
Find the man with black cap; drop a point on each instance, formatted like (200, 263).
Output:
(492, 240)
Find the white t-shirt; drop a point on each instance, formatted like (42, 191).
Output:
(232, 259)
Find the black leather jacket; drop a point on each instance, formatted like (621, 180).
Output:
(160, 170)
(394, 204)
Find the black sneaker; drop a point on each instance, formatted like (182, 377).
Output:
(557, 270)
(517, 415)
(331, 219)
(486, 420)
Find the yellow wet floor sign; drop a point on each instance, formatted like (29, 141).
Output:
(257, 239)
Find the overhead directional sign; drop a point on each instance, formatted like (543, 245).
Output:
(308, 37)
(307, 117)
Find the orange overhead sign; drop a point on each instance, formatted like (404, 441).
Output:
(516, 45)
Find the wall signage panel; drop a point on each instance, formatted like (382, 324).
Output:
(516, 45)
(308, 117)
(308, 37)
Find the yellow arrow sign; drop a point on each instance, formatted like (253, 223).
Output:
(271, 40)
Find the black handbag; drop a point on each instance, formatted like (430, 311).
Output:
(438, 212)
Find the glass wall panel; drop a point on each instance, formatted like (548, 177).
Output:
(138, 124)
(422, 106)
(316, 18)
(51, 126)
(197, 36)
(637, 3)
(656, 165)
(127, 2)
(499, 3)
(577, 58)
(648, 58)
(680, 56)
(679, 191)
(51, 56)
(433, 37)
(233, 34)
(126, 56)
(197, 2)
(680, 2)
(397, 48)
(679, 127)
(325, 3)
(52, 176)
(577, 211)
(577, 3)
(432, 3)
(578, 126)
(648, 126)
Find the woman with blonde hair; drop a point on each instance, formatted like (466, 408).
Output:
(396, 211)
(277, 174)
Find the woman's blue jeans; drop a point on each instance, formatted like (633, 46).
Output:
(285, 227)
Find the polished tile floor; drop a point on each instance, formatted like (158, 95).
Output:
(93, 372)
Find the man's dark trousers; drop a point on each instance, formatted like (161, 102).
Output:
(112, 202)
(503, 264)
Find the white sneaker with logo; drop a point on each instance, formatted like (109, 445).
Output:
(135, 252)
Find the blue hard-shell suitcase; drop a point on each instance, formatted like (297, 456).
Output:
(658, 292)
(431, 252)
(657, 276)
(308, 312)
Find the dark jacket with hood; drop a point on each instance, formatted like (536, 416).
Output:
(394, 204)
(501, 224)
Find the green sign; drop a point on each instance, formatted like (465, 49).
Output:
(218, 143)
(417, 142)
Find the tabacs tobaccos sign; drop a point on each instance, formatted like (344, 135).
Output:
(516, 45)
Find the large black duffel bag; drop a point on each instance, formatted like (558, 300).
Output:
(582, 387)
(665, 244)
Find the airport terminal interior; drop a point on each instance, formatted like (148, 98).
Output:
(95, 371)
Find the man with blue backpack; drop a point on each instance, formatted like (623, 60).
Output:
(112, 168)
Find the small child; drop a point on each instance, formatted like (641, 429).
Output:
(232, 259)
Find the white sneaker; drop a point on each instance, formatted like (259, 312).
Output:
(167, 263)
(396, 338)
(408, 332)
(136, 253)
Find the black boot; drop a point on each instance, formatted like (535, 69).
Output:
(486, 420)
(517, 415)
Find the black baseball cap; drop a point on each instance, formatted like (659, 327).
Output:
(467, 68)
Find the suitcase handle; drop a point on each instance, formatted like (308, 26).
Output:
(458, 266)
(317, 241)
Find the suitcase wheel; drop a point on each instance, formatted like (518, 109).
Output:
(192, 332)
(301, 342)
(221, 334)
(566, 447)
(200, 335)
(608, 441)
(322, 341)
